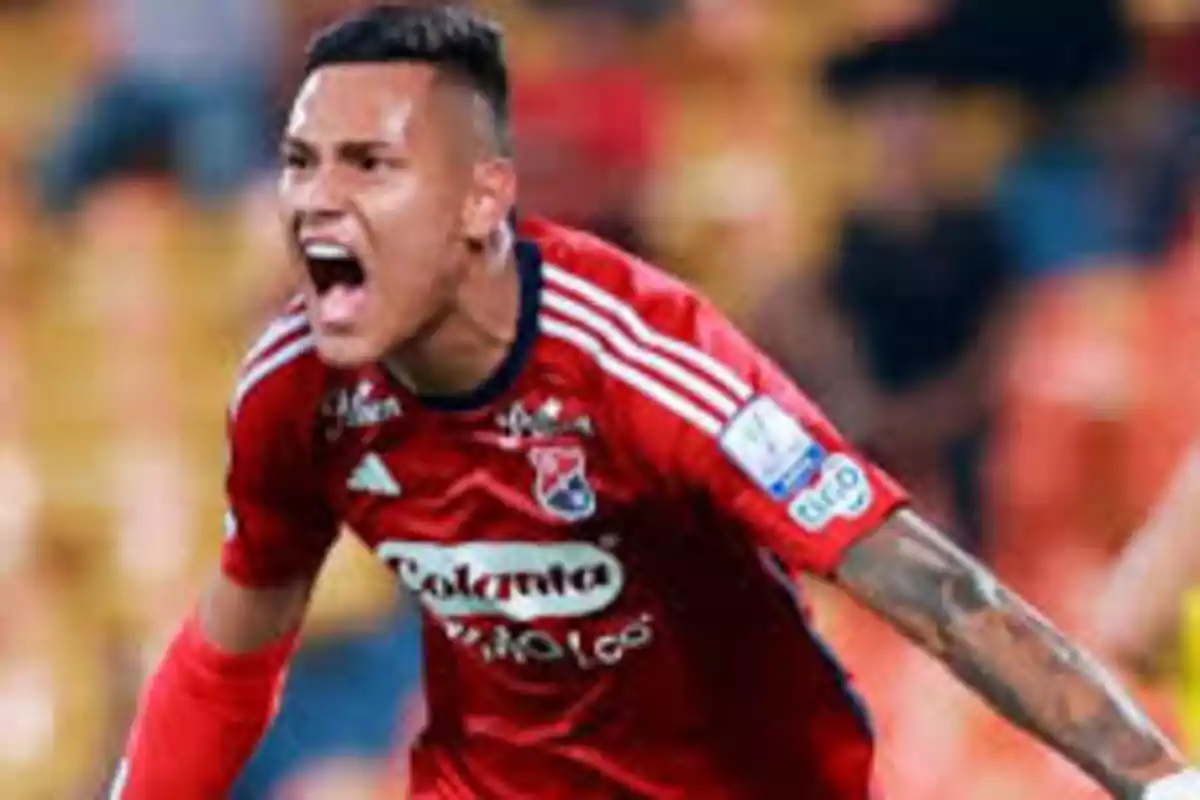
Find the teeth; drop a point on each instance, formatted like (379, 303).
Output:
(327, 250)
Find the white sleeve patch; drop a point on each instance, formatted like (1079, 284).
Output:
(772, 448)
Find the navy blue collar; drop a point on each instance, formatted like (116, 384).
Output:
(529, 273)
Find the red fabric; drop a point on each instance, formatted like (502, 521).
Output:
(201, 718)
(278, 526)
(601, 615)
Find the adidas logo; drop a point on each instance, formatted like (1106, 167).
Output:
(371, 476)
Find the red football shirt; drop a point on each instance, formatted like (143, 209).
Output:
(597, 538)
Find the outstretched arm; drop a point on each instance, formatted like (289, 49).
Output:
(768, 463)
(954, 608)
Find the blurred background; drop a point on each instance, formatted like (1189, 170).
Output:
(966, 227)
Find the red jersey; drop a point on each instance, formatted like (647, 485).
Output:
(598, 538)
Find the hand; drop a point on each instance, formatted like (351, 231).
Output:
(1184, 786)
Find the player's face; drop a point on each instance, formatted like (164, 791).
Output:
(373, 188)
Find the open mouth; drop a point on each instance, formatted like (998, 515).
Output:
(331, 264)
(340, 280)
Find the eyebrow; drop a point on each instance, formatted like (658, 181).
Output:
(360, 148)
(292, 143)
(353, 148)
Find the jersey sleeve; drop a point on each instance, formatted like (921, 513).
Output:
(736, 435)
(277, 525)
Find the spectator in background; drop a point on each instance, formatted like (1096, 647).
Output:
(587, 116)
(900, 329)
(181, 84)
(735, 195)
(1090, 205)
(1147, 613)
(189, 77)
(1086, 207)
(1098, 183)
(188, 80)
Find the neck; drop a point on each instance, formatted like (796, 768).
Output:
(467, 342)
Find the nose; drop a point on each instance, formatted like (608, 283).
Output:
(319, 195)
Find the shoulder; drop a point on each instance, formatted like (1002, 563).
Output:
(580, 265)
(280, 382)
(665, 352)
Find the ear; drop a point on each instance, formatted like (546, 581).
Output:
(490, 201)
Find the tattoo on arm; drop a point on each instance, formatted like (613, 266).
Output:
(954, 608)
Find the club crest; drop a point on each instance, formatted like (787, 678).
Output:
(561, 486)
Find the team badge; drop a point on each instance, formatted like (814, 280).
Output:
(561, 486)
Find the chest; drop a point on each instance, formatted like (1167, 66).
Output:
(514, 475)
(522, 530)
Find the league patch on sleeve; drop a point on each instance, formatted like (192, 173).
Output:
(842, 492)
(772, 448)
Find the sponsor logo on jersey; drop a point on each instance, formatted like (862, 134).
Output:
(356, 408)
(842, 492)
(772, 448)
(371, 476)
(515, 580)
(584, 648)
(547, 420)
(560, 485)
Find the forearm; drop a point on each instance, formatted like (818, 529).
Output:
(208, 703)
(1007, 652)
(200, 719)
(1026, 670)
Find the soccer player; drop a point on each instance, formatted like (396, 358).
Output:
(593, 484)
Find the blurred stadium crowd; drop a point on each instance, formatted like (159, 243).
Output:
(965, 226)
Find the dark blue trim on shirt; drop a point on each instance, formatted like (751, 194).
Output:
(776, 569)
(529, 273)
(857, 707)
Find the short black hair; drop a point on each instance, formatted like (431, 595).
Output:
(461, 43)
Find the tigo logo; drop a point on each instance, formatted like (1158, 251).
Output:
(843, 491)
